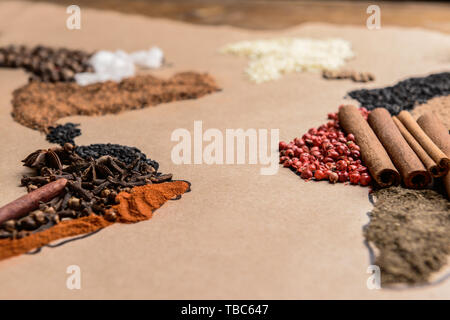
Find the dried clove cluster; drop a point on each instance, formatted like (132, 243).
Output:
(346, 74)
(92, 187)
(44, 63)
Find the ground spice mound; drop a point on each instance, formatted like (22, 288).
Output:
(38, 105)
(138, 205)
(440, 106)
(406, 94)
(411, 232)
(355, 76)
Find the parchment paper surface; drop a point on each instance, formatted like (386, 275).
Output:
(238, 234)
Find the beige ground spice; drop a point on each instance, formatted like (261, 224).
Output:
(39, 105)
(410, 230)
(439, 105)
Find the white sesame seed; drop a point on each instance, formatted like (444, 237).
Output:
(270, 59)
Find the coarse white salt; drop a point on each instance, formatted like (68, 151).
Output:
(270, 59)
(152, 58)
(107, 66)
(116, 66)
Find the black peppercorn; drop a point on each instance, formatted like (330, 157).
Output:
(46, 64)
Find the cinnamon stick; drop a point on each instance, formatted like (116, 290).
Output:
(441, 159)
(373, 153)
(447, 184)
(413, 173)
(436, 130)
(429, 163)
(29, 202)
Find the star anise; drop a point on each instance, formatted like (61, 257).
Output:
(43, 158)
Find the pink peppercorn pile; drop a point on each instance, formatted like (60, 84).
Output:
(326, 153)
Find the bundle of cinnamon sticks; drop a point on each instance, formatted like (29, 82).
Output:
(399, 148)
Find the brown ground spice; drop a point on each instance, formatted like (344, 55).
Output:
(355, 76)
(411, 232)
(39, 105)
(439, 105)
(138, 205)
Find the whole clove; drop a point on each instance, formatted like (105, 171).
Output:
(9, 225)
(28, 223)
(74, 203)
(39, 217)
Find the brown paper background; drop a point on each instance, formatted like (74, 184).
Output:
(238, 234)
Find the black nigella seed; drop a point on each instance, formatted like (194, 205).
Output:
(406, 94)
(123, 153)
(62, 134)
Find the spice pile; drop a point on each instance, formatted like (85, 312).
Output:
(270, 59)
(92, 187)
(134, 206)
(122, 153)
(45, 63)
(439, 105)
(326, 153)
(346, 74)
(411, 230)
(119, 65)
(406, 94)
(39, 105)
(64, 133)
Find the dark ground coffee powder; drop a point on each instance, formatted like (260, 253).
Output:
(410, 230)
(404, 95)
